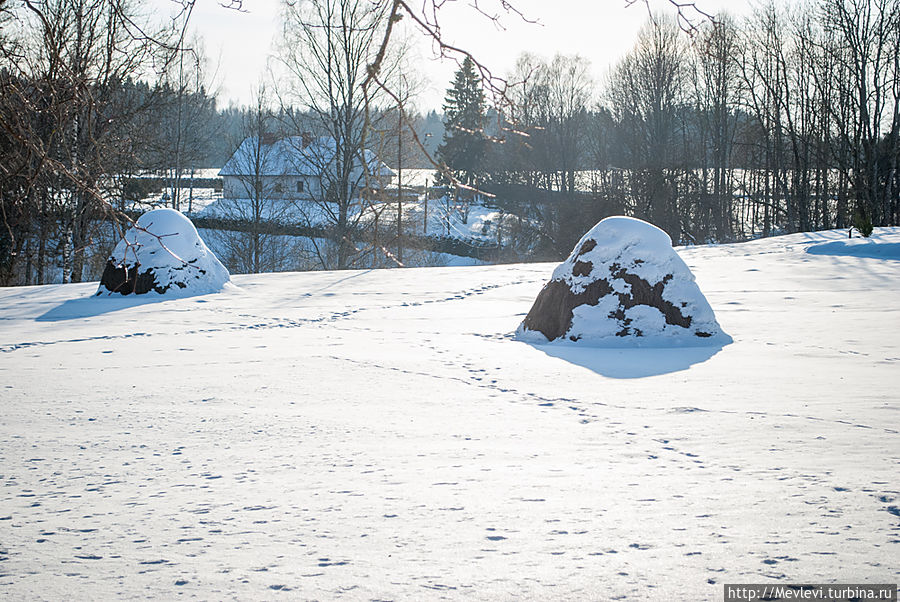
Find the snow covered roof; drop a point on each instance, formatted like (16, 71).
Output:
(294, 156)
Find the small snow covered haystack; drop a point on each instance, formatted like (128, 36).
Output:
(623, 285)
(162, 252)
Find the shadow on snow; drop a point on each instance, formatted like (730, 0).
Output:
(856, 247)
(88, 307)
(617, 362)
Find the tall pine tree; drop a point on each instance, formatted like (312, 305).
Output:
(464, 145)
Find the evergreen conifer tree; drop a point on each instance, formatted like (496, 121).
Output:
(464, 145)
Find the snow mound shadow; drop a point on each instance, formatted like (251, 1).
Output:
(87, 307)
(625, 363)
(857, 247)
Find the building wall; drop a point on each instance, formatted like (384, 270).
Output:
(282, 187)
(274, 187)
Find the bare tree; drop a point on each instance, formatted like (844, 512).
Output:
(547, 145)
(63, 94)
(182, 126)
(327, 48)
(646, 92)
(252, 210)
(866, 33)
(715, 95)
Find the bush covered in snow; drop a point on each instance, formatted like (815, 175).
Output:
(622, 285)
(163, 252)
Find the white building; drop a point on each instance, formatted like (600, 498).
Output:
(296, 167)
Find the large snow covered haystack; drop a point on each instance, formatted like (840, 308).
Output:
(162, 253)
(623, 285)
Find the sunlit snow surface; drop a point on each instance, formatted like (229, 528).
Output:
(381, 435)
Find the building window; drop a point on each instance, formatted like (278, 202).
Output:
(300, 186)
(277, 189)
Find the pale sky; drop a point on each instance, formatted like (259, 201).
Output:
(239, 43)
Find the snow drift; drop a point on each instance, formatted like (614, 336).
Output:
(376, 435)
(162, 253)
(622, 285)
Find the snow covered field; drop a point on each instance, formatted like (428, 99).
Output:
(381, 435)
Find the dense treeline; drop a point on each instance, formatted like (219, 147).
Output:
(784, 121)
(78, 118)
(94, 97)
(67, 123)
(781, 121)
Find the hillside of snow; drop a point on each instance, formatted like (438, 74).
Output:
(382, 435)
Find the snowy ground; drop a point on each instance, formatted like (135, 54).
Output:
(193, 201)
(444, 217)
(379, 434)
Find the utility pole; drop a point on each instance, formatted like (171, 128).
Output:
(400, 188)
(191, 191)
(400, 175)
(179, 126)
(375, 242)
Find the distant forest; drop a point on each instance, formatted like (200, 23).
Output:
(210, 133)
(216, 132)
(785, 120)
